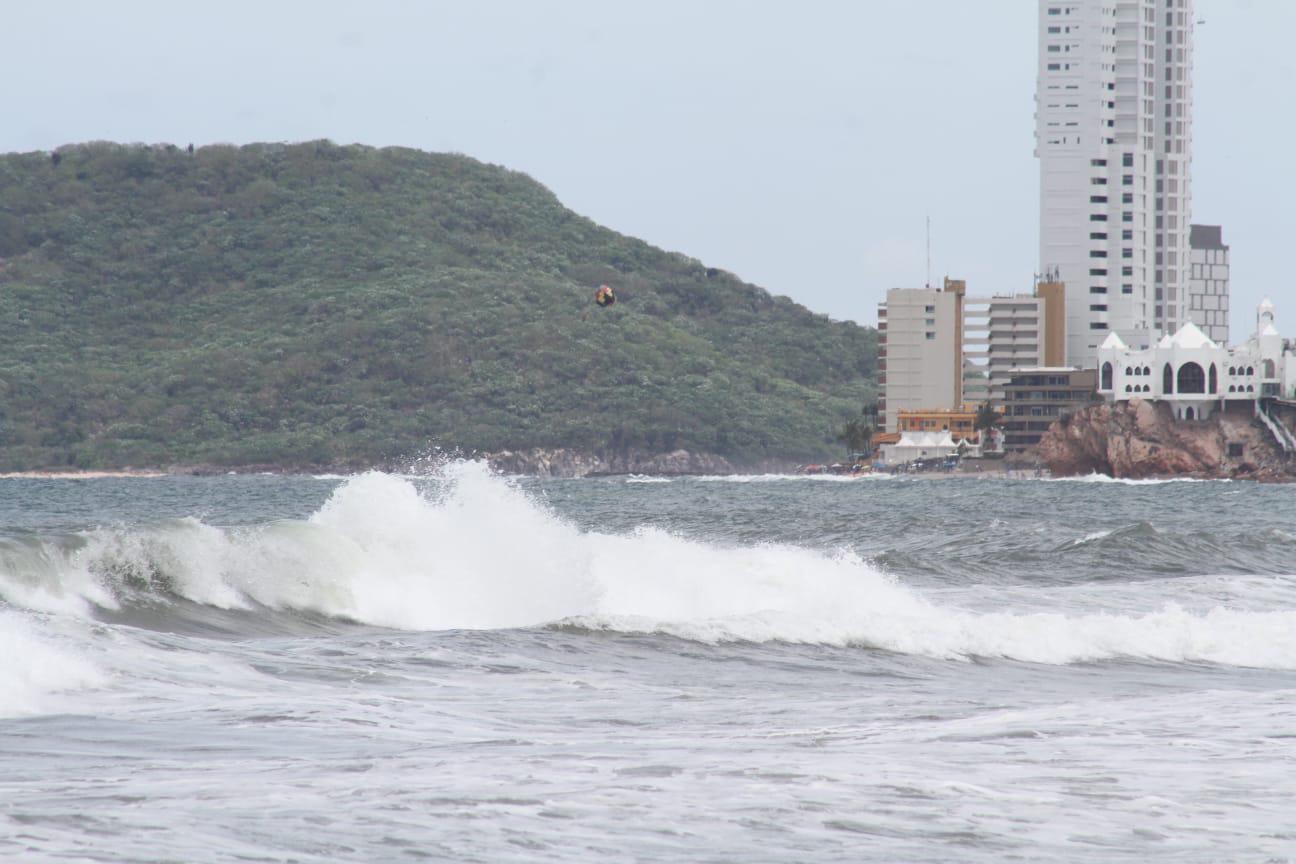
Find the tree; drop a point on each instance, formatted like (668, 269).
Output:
(857, 432)
(986, 417)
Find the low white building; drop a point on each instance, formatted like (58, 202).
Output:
(1196, 375)
(919, 445)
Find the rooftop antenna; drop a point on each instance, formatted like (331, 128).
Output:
(929, 250)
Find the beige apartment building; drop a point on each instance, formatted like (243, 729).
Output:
(939, 349)
(1007, 332)
(920, 350)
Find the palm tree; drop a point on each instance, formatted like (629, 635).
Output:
(986, 417)
(857, 432)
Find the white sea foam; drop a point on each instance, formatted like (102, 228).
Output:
(1091, 537)
(1129, 481)
(476, 552)
(778, 478)
(34, 671)
(641, 478)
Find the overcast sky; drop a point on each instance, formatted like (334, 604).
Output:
(800, 145)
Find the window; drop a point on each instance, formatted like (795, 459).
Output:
(1097, 307)
(1097, 271)
(1191, 378)
(1097, 325)
(930, 335)
(1097, 289)
(1097, 253)
(929, 309)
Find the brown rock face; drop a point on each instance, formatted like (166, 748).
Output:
(1143, 439)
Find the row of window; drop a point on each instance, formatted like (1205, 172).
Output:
(1190, 379)
(1135, 388)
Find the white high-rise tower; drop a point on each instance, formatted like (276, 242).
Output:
(1113, 133)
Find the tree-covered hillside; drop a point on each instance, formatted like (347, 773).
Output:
(315, 304)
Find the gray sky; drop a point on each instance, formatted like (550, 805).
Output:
(799, 145)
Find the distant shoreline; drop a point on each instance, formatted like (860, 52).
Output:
(78, 475)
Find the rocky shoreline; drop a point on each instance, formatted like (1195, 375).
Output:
(1139, 439)
(561, 462)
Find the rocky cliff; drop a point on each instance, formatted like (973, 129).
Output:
(1143, 439)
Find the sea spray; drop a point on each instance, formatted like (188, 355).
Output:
(34, 671)
(468, 549)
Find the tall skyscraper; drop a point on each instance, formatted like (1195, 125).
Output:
(1113, 133)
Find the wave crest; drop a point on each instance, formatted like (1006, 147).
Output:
(473, 551)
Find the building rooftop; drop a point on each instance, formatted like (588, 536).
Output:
(1028, 369)
(925, 439)
(1206, 237)
(1189, 336)
(1114, 341)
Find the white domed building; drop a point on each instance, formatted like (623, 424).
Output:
(1197, 376)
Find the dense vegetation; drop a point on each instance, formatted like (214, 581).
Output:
(315, 304)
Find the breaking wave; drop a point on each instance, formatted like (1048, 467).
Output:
(1128, 481)
(35, 671)
(472, 550)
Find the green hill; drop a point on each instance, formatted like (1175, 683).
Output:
(315, 304)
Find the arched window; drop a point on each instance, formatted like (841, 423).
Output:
(1250, 388)
(1232, 389)
(1268, 369)
(1147, 371)
(1232, 370)
(1188, 414)
(1167, 380)
(1214, 379)
(1250, 370)
(1191, 379)
(1128, 388)
(1147, 388)
(1107, 376)
(1129, 371)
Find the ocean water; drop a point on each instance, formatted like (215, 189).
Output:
(467, 667)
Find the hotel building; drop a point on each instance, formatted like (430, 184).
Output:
(920, 350)
(1113, 135)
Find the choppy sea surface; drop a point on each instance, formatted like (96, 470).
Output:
(468, 667)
